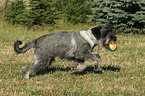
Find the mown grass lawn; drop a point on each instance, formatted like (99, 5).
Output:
(123, 70)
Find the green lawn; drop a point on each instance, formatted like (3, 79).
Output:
(123, 70)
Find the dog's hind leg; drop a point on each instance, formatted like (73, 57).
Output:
(38, 67)
(43, 65)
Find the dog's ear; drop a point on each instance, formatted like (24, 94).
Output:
(96, 31)
(106, 29)
(102, 31)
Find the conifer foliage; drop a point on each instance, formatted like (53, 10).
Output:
(38, 12)
(75, 11)
(14, 10)
(41, 12)
(128, 14)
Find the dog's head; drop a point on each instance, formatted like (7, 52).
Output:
(104, 34)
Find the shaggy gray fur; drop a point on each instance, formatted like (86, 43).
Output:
(69, 45)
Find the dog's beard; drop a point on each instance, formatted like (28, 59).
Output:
(109, 41)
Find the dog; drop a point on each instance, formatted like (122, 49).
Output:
(76, 45)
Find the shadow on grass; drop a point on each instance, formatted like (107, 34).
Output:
(89, 69)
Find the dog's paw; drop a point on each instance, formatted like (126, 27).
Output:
(24, 69)
(25, 73)
(97, 68)
(73, 70)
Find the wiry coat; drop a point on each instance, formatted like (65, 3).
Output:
(69, 45)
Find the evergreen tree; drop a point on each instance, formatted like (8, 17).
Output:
(75, 11)
(42, 12)
(127, 14)
(13, 10)
(39, 12)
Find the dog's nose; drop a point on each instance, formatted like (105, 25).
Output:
(114, 39)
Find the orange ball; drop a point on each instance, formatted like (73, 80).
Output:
(112, 47)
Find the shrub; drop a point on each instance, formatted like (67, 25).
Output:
(121, 13)
(75, 11)
(14, 10)
(40, 12)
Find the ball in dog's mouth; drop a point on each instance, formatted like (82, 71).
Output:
(112, 47)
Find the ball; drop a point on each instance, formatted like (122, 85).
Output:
(112, 47)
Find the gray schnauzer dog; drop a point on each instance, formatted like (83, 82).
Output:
(75, 46)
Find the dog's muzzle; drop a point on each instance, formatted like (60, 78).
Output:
(110, 40)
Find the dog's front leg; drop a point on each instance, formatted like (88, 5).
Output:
(101, 46)
(79, 68)
(97, 61)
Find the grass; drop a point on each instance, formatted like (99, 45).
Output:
(123, 70)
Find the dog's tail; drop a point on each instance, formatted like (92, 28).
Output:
(25, 48)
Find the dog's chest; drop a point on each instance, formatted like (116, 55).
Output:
(89, 37)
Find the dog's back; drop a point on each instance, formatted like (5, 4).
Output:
(61, 44)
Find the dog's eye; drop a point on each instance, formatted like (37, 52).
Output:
(113, 38)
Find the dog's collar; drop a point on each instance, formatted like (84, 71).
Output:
(88, 36)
